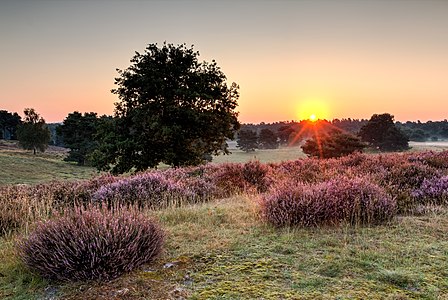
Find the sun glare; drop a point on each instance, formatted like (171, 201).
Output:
(312, 109)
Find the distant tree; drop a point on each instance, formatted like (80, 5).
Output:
(173, 109)
(8, 124)
(247, 140)
(267, 139)
(333, 144)
(284, 134)
(33, 133)
(380, 132)
(78, 133)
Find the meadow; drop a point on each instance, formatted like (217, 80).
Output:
(225, 231)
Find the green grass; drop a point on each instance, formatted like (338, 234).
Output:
(264, 156)
(222, 251)
(22, 167)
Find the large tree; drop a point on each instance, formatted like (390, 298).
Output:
(33, 133)
(172, 109)
(333, 144)
(8, 124)
(78, 133)
(381, 133)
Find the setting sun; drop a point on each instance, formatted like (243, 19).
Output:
(312, 109)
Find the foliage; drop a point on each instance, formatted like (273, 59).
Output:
(150, 190)
(380, 132)
(267, 139)
(91, 244)
(78, 133)
(8, 124)
(173, 109)
(432, 191)
(354, 201)
(247, 140)
(333, 144)
(33, 133)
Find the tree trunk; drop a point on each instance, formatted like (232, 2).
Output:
(34, 151)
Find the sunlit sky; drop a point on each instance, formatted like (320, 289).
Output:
(334, 59)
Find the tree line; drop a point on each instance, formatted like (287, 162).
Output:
(176, 110)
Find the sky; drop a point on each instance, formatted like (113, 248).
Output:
(291, 59)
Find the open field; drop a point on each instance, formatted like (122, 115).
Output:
(22, 167)
(222, 248)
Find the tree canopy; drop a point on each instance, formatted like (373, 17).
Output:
(78, 132)
(247, 140)
(332, 144)
(172, 109)
(8, 124)
(380, 132)
(33, 133)
(267, 139)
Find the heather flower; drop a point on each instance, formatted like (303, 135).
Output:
(91, 244)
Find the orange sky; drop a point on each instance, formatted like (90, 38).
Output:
(335, 59)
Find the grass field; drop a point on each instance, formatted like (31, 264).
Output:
(221, 250)
(22, 167)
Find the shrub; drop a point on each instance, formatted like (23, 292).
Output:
(91, 244)
(401, 179)
(355, 201)
(432, 191)
(152, 190)
(254, 173)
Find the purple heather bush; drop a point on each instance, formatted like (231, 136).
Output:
(342, 200)
(151, 190)
(432, 191)
(93, 243)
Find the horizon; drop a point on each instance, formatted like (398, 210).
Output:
(291, 59)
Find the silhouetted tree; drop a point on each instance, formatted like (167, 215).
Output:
(284, 134)
(33, 133)
(380, 132)
(247, 140)
(173, 109)
(333, 144)
(8, 124)
(78, 133)
(267, 139)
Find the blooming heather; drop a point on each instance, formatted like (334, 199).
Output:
(91, 244)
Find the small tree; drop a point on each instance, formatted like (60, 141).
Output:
(267, 139)
(173, 109)
(333, 144)
(247, 140)
(380, 132)
(78, 133)
(33, 133)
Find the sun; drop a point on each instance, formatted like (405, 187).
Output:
(312, 109)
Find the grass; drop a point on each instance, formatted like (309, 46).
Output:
(22, 167)
(264, 156)
(221, 251)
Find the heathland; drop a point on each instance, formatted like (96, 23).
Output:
(249, 226)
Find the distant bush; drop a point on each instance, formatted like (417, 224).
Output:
(91, 244)
(353, 201)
